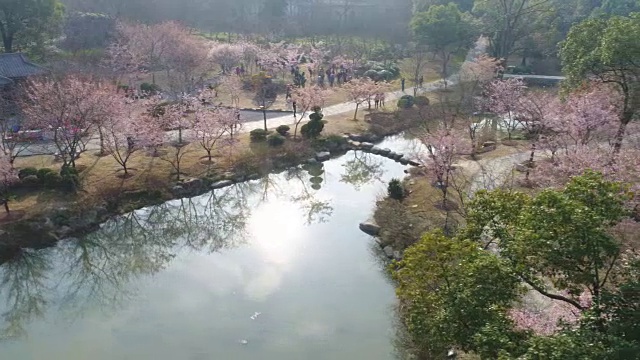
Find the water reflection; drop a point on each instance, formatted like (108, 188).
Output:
(362, 169)
(98, 269)
(24, 290)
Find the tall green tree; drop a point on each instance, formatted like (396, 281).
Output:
(445, 30)
(562, 243)
(609, 50)
(29, 22)
(454, 294)
(424, 5)
(508, 22)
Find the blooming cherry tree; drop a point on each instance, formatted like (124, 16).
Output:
(504, 101)
(227, 55)
(69, 108)
(210, 125)
(306, 99)
(359, 91)
(130, 128)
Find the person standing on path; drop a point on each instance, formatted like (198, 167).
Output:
(421, 81)
(402, 83)
(295, 108)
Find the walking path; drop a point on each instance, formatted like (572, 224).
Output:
(49, 148)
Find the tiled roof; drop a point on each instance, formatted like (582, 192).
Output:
(16, 65)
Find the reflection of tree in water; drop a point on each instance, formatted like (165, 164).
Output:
(362, 169)
(316, 210)
(94, 270)
(24, 290)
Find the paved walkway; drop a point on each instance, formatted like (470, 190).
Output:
(273, 121)
(341, 108)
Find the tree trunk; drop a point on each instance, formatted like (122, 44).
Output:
(7, 41)
(264, 115)
(617, 144)
(355, 114)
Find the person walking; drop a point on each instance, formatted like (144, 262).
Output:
(376, 100)
(382, 100)
(402, 84)
(295, 108)
(421, 80)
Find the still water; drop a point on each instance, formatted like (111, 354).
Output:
(269, 269)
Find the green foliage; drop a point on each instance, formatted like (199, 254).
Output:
(561, 242)
(406, 102)
(150, 88)
(396, 190)
(283, 130)
(607, 49)
(258, 135)
(445, 30)
(44, 172)
(69, 181)
(30, 24)
(314, 127)
(421, 101)
(451, 291)
(50, 180)
(27, 172)
(275, 140)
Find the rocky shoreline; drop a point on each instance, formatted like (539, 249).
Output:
(63, 223)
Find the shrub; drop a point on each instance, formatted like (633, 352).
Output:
(68, 183)
(150, 88)
(23, 173)
(51, 180)
(275, 140)
(314, 127)
(421, 101)
(396, 190)
(43, 173)
(406, 102)
(30, 182)
(283, 130)
(258, 135)
(68, 171)
(335, 142)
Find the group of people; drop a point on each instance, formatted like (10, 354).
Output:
(333, 75)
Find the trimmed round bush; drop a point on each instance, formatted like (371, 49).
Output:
(396, 190)
(51, 180)
(44, 172)
(30, 171)
(421, 101)
(283, 130)
(275, 140)
(150, 88)
(258, 135)
(406, 102)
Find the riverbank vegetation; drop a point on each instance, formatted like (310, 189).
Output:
(544, 264)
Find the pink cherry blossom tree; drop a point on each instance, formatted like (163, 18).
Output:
(444, 149)
(306, 99)
(504, 100)
(130, 128)
(232, 85)
(359, 91)
(178, 115)
(210, 125)
(69, 108)
(227, 56)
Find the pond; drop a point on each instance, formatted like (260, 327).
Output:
(269, 269)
